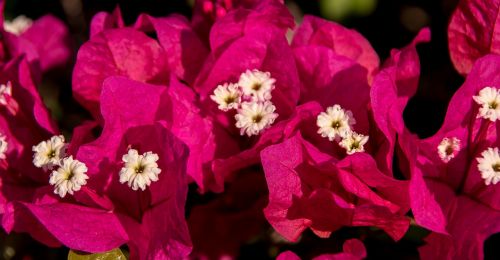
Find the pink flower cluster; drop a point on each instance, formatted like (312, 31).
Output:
(299, 132)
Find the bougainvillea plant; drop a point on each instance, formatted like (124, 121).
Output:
(243, 124)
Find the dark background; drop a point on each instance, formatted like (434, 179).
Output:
(386, 24)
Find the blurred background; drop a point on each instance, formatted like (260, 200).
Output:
(386, 24)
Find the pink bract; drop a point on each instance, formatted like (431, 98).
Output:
(24, 122)
(110, 213)
(223, 218)
(310, 189)
(456, 187)
(340, 40)
(45, 44)
(474, 31)
(116, 50)
(353, 249)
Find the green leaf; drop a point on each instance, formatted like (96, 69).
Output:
(110, 255)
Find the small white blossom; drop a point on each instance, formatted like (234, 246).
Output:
(253, 117)
(354, 142)
(50, 152)
(489, 100)
(5, 93)
(18, 26)
(139, 170)
(335, 123)
(448, 148)
(489, 165)
(228, 96)
(257, 84)
(3, 147)
(70, 177)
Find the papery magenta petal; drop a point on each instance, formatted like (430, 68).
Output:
(308, 188)
(426, 211)
(80, 228)
(393, 86)
(26, 94)
(105, 21)
(364, 167)
(287, 255)
(222, 218)
(50, 36)
(474, 31)
(342, 41)
(353, 249)
(130, 103)
(394, 225)
(118, 52)
(18, 46)
(25, 125)
(284, 184)
(468, 240)
(90, 198)
(82, 134)
(169, 234)
(206, 12)
(271, 15)
(201, 140)
(184, 51)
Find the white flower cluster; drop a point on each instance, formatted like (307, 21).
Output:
(448, 148)
(336, 125)
(489, 165)
(5, 93)
(70, 175)
(139, 170)
(489, 100)
(251, 98)
(3, 147)
(18, 26)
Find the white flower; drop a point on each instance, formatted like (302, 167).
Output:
(489, 165)
(257, 84)
(335, 123)
(254, 117)
(49, 153)
(70, 177)
(228, 96)
(354, 142)
(5, 93)
(18, 26)
(139, 170)
(448, 148)
(489, 100)
(3, 146)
